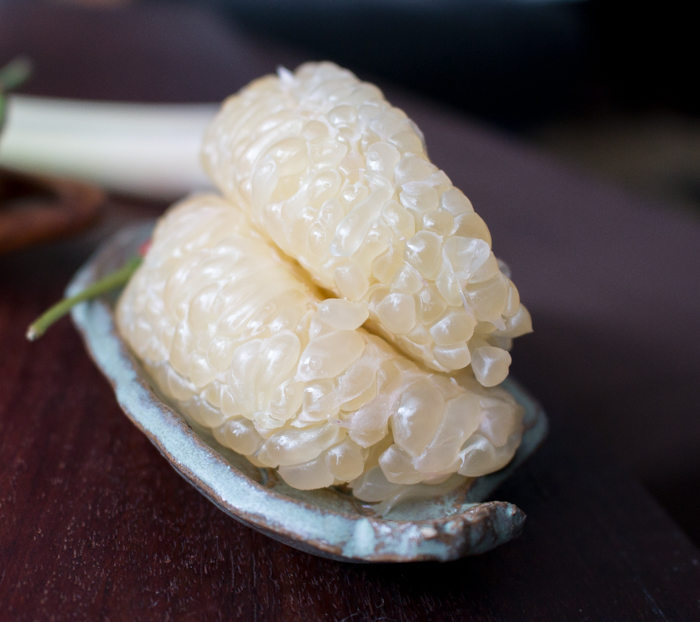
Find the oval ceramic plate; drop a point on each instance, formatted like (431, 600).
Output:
(327, 522)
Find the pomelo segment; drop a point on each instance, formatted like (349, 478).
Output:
(237, 337)
(340, 180)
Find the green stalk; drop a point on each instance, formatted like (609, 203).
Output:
(11, 76)
(113, 280)
(14, 73)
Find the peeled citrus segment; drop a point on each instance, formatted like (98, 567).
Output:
(341, 181)
(240, 341)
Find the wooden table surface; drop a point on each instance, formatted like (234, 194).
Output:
(95, 525)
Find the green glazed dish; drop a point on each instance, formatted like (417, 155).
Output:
(328, 522)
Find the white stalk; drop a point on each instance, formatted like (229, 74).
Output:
(143, 149)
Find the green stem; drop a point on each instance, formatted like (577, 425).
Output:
(113, 280)
(14, 73)
(11, 76)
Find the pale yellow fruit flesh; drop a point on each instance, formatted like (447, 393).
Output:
(240, 341)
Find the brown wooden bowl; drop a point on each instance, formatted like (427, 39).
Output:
(36, 209)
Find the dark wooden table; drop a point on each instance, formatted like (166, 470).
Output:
(95, 525)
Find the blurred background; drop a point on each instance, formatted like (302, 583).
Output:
(607, 85)
(607, 88)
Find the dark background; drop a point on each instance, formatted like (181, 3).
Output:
(94, 522)
(605, 84)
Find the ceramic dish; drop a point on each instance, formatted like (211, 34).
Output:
(328, 522)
